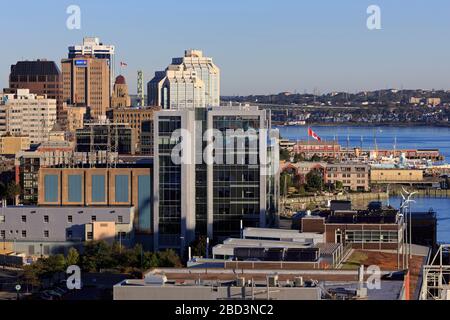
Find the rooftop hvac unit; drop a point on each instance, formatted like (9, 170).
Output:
(298, 281)
(155, 280)
(272, 281)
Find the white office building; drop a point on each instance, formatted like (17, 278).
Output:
(190, 81)
(26, 114)
(197, 198)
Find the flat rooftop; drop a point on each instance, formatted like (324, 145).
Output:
(279, 233)
(228, 246)
(180, 275)
(325, 280)
(388, 261)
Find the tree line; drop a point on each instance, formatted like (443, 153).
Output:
(98, 256)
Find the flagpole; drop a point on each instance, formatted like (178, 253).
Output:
(307, 145)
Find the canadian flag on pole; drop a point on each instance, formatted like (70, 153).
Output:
(123, 64)
(314, 135)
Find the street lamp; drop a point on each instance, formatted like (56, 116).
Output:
(403, 208)
(406, 205)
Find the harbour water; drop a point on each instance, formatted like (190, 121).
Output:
(439, 205)
(385, 136)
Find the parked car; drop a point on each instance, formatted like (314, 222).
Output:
(60, 290)
(46, 296)
(55, 295)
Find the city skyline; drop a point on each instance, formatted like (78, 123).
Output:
(320, 47)
(250, 171)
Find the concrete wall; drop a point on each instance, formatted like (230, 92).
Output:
(395, 175)
(13, 145)
(56, 221)
(145, 292)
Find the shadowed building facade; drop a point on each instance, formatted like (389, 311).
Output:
(134, 118)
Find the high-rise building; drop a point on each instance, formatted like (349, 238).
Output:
(26, 114)
(41, 77)
(133, 117)
(194, 197)
(190, 81)
(105, 136)
(86, 82)
(154, 89)
(120, 97)
(93, 47)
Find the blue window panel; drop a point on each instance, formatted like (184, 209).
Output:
(98, 188)
(51, 188)
(145, 203)
(121, 185)
(74, 189)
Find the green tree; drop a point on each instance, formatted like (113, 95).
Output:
(339, 185)
(135, 256)
(54, 264)
(32, 274)
(314, 180)
(12, 191)
(298, 157)
(169, 259)
(97, 255)
(285, 155)
(315, 158)
(3, 194)
(150, 260)
(73, 257)
(302, 190)
(198, 247)
(285, 183)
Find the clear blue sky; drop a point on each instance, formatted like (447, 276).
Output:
(261, 46)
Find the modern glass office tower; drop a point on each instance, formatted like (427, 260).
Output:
(195, 196)
(190, 81)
